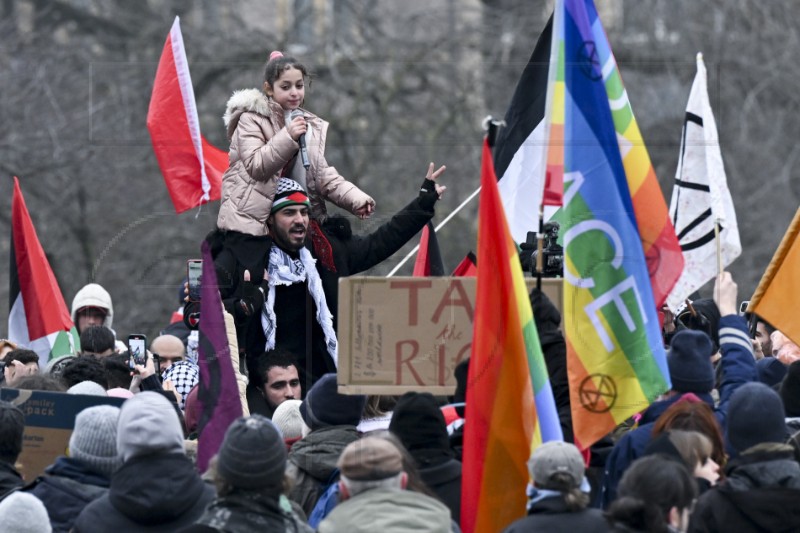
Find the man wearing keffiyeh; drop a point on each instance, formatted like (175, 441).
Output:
(282, 289)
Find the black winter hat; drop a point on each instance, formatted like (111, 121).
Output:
(755, 416)
(419, 423)
(325, 407)
(689, 362)
(770, 371)
(252, 454)
(790, 390)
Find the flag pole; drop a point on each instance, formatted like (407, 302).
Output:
(540, 249)
(719, 246)
(435, 230)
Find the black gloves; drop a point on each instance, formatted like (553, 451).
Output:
(427, 194)
(252, 300)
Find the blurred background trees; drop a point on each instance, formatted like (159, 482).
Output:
(402, 84)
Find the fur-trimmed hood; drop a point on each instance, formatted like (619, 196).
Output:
(244, 101)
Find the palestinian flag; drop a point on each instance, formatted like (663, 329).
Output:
(529, 175)
(429, 258)
(38, 317)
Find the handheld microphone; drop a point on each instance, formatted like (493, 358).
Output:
(301, 141)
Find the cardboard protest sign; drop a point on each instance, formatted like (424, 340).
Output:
(408, 333)
(49, 419)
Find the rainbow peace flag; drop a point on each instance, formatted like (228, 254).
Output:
(621, 253)
(510, 406)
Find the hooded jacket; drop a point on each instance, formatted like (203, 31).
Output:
(419, 423)
(157, 488)
(552, 514)
(66, 489)
(312, 462)
(243, 512)
(388, 510)
(10, 479)
(760, 494)
(260, 149)
(93, 295)
(738, 368)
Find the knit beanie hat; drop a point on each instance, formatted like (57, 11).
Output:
(790, 390)
(770, 371)
(23, 513)
(94, 439)
(148, 424)
(755, 415)
(288, 192)
(252, 455)
(689, 362)
(419, 423)
(325, 407)
(88, 388)
(288, 419)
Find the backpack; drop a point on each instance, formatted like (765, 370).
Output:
(329, 497)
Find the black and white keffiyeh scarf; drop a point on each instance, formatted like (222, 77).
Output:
(284, 270)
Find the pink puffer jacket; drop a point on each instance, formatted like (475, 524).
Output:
(260, 148)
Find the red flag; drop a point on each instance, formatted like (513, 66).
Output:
(429, 258)
(192, 167)
(468, 267)
(38, 318)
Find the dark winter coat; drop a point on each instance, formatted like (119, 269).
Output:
(760, 493)
(245, 512)
(313, 459)
(444, 479)
(155, 493)
(338, 253)
(10, 479)
(67, 487)
(552, 514)
(738, 368)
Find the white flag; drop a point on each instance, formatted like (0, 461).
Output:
(701, 197)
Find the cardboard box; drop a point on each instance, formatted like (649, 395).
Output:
(408, 333)
(49, 420)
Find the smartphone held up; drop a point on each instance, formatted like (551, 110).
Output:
(137, 347)
(194, 273)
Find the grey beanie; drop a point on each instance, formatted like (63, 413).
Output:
(22, 512)
(148, 424)
(252, 454)
(94, 439)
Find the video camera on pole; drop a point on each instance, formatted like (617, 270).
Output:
(552, 252)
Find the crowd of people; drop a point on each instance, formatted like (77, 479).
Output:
(718, 452)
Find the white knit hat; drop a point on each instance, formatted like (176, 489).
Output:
(94, 439)
(289, 420)
(88, 388)
(23, 513)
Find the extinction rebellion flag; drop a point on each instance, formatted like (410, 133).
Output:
(38, 317)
